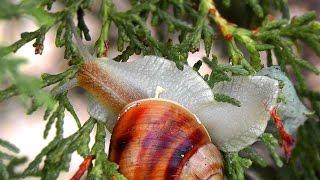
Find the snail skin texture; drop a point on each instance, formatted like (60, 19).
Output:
(159, 139)
(113, 85)
(293, 112)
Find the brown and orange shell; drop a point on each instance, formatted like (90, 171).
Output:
(160, 139)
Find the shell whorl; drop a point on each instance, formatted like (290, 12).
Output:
(156, 138)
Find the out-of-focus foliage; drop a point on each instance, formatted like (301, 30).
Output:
(8, 162)
(29, 88)
(32, 8)
(305, 161)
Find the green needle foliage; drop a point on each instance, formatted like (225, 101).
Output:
(304, 154)
(8, 162)
(172, 29)
(271, 144)
(102, 167)
(236, 165)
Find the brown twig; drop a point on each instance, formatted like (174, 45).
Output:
(287, 140)
(84, 166)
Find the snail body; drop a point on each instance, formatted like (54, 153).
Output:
(292, 110)
(116, 84)
(160, 139)
(113, 85)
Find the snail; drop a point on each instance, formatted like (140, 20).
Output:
(159, 139)
(112, 85)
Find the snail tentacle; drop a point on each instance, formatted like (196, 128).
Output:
(79, 44)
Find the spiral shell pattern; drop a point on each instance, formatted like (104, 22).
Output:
(160, 139)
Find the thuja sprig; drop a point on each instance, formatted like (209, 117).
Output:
(255, 11)
(8, 162)
(27, 87)
(304, 28)
(221, 72)
(254, 156)
(39, 36)
(25, 38)
(47, 80)
(58, 115)
(106, 7)
(57, 154)
(305, 161)
(231, 33)
(283, 34)
(135, 32)
(236, 165)
(8, 146)
(278, 36)
(272, 143)
(102, 166)
(314, 98)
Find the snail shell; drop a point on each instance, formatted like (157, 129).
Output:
(160, 139)
(114, 85)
